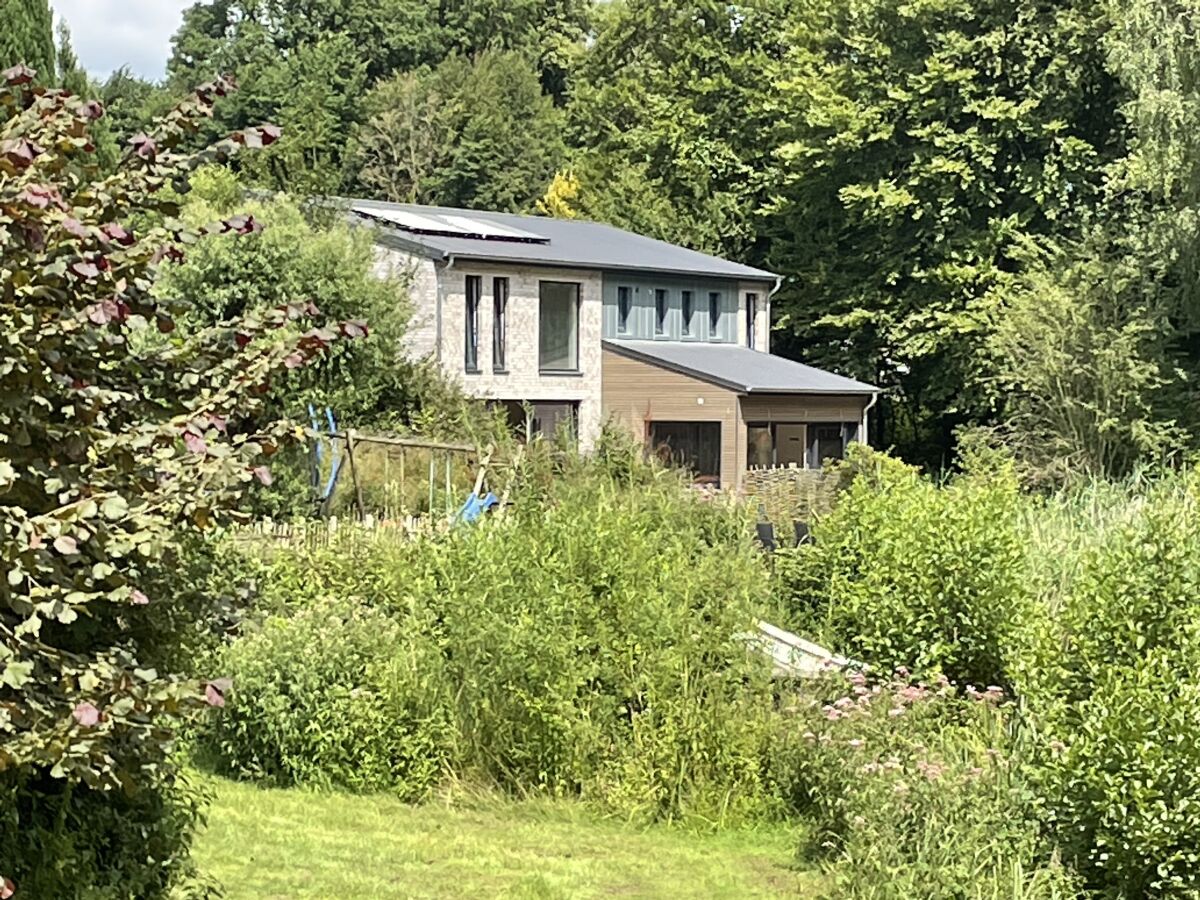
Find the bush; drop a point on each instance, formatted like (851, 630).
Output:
(917, 792)
(906, 573)
(116, 442)
(586, 646)
(1110, 677)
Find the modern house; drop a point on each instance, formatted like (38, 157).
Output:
(585, 323)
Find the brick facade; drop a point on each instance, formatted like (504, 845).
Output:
(444, 285)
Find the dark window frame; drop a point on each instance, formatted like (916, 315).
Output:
(687, 308)
(473, 296)
(543, 369)
(751, 317)
(689, 434)
(624, 307)
(714, 315)
(500, 324)
(662, 308)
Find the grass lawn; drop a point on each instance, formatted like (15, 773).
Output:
(275, 844)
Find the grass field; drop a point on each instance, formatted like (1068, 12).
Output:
(276, 844)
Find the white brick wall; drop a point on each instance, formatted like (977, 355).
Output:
(432, 282)
(420, 339)
(762, 321)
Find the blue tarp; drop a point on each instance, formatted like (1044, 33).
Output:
(476, 506)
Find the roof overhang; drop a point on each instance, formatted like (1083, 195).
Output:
(807, 379)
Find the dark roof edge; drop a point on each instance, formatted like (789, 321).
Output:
(642, 356)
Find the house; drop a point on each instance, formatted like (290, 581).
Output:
(585, 323)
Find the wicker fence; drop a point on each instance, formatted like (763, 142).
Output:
(787, 494)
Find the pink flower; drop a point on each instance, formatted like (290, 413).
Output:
(855, 743)
(843, 702)
(896, 711)
(857, 678)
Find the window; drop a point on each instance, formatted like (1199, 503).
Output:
(558, 327)
(471, 343)
(829, 441)
(624, 307)
(660, 311)
(499, 324)
(549, 419)
(687, 308)
(751, 317)
(714, 314)
(695, 446)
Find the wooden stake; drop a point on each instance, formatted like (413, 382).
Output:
(358, 496)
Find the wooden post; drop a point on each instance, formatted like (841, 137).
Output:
(358, 496)
(432, 479)
(402, 484)
(449, 488)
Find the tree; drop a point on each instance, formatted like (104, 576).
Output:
(295, 260)
(28, 34)
(118, 438)
(132, 103)
(916, 145)
(476, 134)
(669, 120)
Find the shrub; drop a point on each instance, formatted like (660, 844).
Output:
(116, 439)
(584, 644)
(917, 792)
(904, 572)
(1110, 677)
(318, 700)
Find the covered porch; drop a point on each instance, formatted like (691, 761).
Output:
(720, 409)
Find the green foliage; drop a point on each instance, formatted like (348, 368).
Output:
(28, 35)
(904, 572)
(115, 439)
(1109, 676)
(916, 142)
(292, 259)
(1084, 358)
(917, 792)
(584, 644)
(667, 119)
(474, 133)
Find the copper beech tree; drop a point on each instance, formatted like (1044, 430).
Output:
(118, 435)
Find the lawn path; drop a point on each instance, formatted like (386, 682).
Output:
(267, 844)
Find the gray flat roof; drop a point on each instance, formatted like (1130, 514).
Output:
(739, 368)
(537, 240)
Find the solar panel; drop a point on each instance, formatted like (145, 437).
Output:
(492, 229)
(450, 225)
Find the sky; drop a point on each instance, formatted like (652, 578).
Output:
(108, 34)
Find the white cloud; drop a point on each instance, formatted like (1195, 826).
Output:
(108, 34)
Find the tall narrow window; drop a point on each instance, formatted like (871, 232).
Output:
(751, 318)
(500, 324)
(558, 327)
(624, 308)
(714, 314)
(687, 307)
(660, 311)
(471, 342)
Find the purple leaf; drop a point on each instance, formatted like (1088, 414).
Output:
(356, 328)
(137, 598)
(195, 443)
(92, 110)
(85, 270)
(7, 888)
(76, 228)
(144, 146)
(214, 692)
(19, 74)
(117, 233)
(270, 134)
(66, 545)
(86, 715)
(263, 474)
(294, 361)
